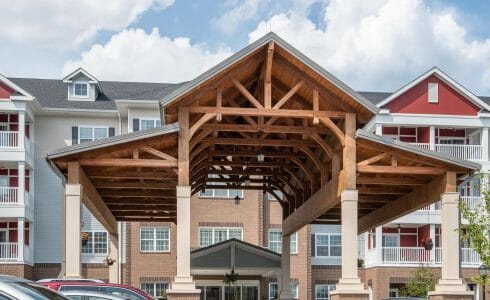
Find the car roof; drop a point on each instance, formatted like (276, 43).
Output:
(68, 280)
(89, 283)
(93, 294)
(10, 279)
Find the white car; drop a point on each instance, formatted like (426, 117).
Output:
(87, 295)
(14, 288)
(69, 279)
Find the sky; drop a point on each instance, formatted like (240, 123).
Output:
(375, 45)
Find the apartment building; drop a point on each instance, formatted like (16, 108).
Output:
(40, 115)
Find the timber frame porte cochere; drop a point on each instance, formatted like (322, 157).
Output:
(267, 118)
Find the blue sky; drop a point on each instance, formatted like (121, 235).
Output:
(173, 40)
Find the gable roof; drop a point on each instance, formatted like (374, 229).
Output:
(444, 77)
(269, 37)
(80, 70)
(14, 86)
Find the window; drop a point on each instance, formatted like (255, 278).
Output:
(212, 235)
(433, 92)
(149, 123)
(272, 198)
(391, 240)
(275, 241)
(274, 293)
(96, 244)
(220, 193)
(154, 239)
(155, 289)
(322, 291)
(328, 245)
(80, 89)
(88, 134)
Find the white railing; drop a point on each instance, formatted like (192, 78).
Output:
(432, 207)
(9, 139)
(405, 255)
(438, 254)
(467, 152)
(27, 144)
(470, 257)
(425, 146)
(8, 251)
(27, 198)
(9, 195)
(471, 202)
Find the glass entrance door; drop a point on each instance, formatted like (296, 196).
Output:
(233, 293)
(210, 292)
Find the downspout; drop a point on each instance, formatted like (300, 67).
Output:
(119, 127)
(119, 253)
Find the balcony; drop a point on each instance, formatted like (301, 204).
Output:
(465, 152)
(9, 139)
(472, 202)
(9, 251)
(9, 195)
(418, 255)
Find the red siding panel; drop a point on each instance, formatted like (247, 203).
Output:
(415, 101)
(5, 91)
(424, 232)
(423, 135)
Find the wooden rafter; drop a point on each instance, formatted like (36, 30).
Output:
(243, 90)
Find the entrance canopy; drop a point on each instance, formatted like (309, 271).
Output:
(269, 119)
(244, 258)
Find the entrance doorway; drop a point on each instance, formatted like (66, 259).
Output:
(225, 292)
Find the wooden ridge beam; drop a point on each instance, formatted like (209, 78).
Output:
(400, 170)
(127, 162)
(258, 142)
(266, 128)
(268, 76)
(247, 111)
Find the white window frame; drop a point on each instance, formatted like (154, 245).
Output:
(329, 246)
(92, 233)
(154, 250)
(93, 131)
(330, 288)
(141, 120)
(230, 193)
(74, 95)
(391, 235)
(154, 294)
(6, 230)
(451, 138)
(294, 290)
(213, 236)
(433, 92)
(294, 240)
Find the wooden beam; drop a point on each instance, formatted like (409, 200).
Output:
(219, 102)
(382, 191)
(402, 170)
(265, 128)
(158, 153)
(243, 90)
(334, 128)
(195, 127)
(184, 140)
(326, 147)
(257, 142)
(247, 111)
(268, 76)
(418, 198)
(374, 159)
(390, 181)
(288, 95)
(155, 185)
(349, 152)
(316, 105)
(168, 176)
(324, 199)
(119, 193)
(92, 199)
(125, 162)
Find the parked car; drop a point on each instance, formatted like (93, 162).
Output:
(85, 295)
(13, 288)
(106, 288)
(71, 280)
(404, 298)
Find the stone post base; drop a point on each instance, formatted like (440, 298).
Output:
(352, 295)
(183, 288)
(286, 295)
(451, 289)
(183, 296)
(451, 296)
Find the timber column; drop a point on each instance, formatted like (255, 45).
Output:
(286, 293)
(450, 286)
(349, 286)
(183, 286)
(73, 224)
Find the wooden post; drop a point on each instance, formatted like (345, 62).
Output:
(184, 139)
(349, 153)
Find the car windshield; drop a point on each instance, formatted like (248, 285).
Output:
(38, 292)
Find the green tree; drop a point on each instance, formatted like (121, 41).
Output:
(419, 285)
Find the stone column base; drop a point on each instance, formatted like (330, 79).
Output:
(451, 289)
(451, 296)
(349, 295)
(183, 295)
(286, 295)
(183, 288)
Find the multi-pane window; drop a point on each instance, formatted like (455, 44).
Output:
(220, 193)
(322, 291)
(80, 89)
(149, 123)
(154, 239)
(391, 240)
(275, 241)
(88, 134)
(96, 244)
(274, 290)
(212, 235)
(328, 245)
(155, 289)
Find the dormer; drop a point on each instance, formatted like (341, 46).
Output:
(82, 86)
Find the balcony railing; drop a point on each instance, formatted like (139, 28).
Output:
(405, 255)
(9, 195)
(9, 139)
(466, 152)
(8, 251)
(471, 202)
(470, 257)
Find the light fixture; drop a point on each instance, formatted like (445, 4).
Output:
(399, 228)
(260, 157)
(237, 199)
(484, 271)
(246, 180)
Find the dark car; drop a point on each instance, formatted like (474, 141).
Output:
(123, 290)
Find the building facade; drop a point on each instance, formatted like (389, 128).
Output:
(39, 115)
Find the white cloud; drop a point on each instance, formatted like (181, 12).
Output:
(68, 23)
(238, 14)
(382, 44)
(134, 55)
